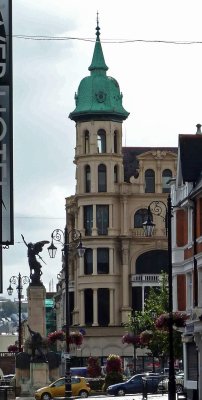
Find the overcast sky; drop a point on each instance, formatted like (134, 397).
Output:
(161, 85)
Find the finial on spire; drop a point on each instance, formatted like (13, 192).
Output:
(97, 29)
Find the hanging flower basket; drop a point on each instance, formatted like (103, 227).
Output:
(130, 338)
(74, 337)
(54, 336)
(13, 348)
(178, 319)
(145, 337)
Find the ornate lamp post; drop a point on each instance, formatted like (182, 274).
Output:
(165, 211)
(19, 281)
(70, 241)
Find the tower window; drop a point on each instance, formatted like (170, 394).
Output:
(86, 142)
(102, 178)
(102, 260)
(166, 175)
(115, 174)
(88, 220)
(88, 262)
(102, 219)
(101, 141)
(87, 179)
(149, 181)
(115, 142)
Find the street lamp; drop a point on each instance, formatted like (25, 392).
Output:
(70, 241)
(156, 208)
(19, 281)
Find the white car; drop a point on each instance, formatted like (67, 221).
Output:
(179, 380)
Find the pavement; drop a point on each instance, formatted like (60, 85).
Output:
(129, 397)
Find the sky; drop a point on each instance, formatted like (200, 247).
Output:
(161, 84)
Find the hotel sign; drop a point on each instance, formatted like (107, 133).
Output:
(6, 124)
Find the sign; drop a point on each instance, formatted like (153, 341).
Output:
(66, 356)
(6, 124)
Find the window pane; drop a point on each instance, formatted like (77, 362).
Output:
(103, 261)
(88, 296)
(101, 141)
(87, 178)
(115, 174)
(102, 178)
(115, 142)
(140, 217)
(149, 181)
(86, 142)
(88, 220)
(166, 176)
(88, 262)
(102, 219)
(103, 307)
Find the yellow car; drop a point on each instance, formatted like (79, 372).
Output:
(57, 389)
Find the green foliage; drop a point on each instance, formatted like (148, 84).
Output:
(139, 322)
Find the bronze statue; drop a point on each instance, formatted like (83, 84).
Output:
(35, 267)
(36, 345)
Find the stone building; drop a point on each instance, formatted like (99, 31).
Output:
(114, 186)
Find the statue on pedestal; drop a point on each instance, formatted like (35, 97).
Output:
(35, 267)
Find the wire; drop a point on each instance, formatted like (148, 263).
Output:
(116, 41)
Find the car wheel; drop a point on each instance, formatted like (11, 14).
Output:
(121, 392)
(46, 396)
(179, 388)
(83, 394)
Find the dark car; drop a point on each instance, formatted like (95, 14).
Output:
(136, 384)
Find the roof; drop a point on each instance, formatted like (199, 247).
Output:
(190, 152)
(130, 159)
(98, 95)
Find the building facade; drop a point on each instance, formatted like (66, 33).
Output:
(187, 254)
(114, 186)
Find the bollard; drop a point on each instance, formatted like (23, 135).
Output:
(144, 388)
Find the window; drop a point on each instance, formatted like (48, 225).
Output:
(115, 174)
(88, 300)
(87, 143)
(101, 141)
(102, 260)
(102, 178)
(87, 179)
(141, 216)
(102, 219)
(115, 142)
(103, 307)
(149, 181)
(88, 262)
(88, 220)
(166, 175)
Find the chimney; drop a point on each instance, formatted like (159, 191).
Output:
(198, 132)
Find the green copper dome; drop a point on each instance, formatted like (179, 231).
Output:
(98, 95)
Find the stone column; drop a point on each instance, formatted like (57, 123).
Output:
(36, 308)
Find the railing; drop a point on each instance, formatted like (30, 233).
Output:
(146, 278)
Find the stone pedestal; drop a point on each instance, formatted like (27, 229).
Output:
(36, 308)
(39, 375)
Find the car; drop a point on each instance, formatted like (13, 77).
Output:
(136, 384)
(179, 381)
(57, 389)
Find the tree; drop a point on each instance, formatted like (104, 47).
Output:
(145, 325)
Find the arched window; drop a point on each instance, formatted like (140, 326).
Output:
(102, 178)
(116, 174)
(86, 142)
(166, 175)
(87, 179)
(141, 216)
(115, 142)
(88, 262)
(149, 181)
(101, 141)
